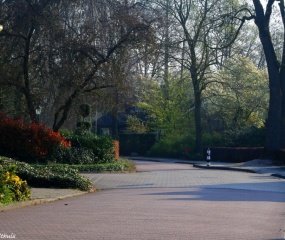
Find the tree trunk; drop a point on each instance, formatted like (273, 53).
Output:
(273, 124)
(166, 54)
(62, 113)
(196, 80)
(197, 110)
(198, 124)
(27, 88)
(282, 80)
(282, 131)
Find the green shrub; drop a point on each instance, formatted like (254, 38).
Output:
(12, 188)
(183, 146)
(121, 165)
(84, 110)
(6, 195)
(213, 139)
(101, 146)
(173, 146)
(66, 133)
(245, 137)
(83, 125)
(54, 176)
(73, 156)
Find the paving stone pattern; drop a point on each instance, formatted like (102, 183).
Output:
(155, 175)
(163, 201)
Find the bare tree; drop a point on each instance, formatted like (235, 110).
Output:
(61, 46)
(197, 20)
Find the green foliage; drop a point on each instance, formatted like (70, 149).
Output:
(245, 137)
(182, 146)
(87, 148)
(6, 195)
(169, 107)
(120, 165)
(84, 125)
(213, 139)
(102, 147)
(240, 97)
(55, 176)
(136, 125)
(84, 110)
(12, 188)
(172, 146)
(66, 133)
(73, 155)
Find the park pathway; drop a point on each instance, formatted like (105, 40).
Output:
(162, 201)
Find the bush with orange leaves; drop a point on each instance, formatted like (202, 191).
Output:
(30, 142)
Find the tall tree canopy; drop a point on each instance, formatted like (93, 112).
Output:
(53, 50)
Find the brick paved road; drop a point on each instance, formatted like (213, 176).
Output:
(167, 175)
(162, 201)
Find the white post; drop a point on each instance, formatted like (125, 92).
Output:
(208, 157)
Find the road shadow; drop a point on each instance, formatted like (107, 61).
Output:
(221, 193)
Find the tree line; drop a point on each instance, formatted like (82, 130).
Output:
(191, 65)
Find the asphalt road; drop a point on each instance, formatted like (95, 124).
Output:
(161, 201)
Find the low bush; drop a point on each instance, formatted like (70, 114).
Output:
(120, 165)
(84, 125)
(73, 156)
(49, 176)
(213, 139)
(12, 188)
(30, 142)
(245, 137)
(66, 133)
(173, 146)
(101, 146)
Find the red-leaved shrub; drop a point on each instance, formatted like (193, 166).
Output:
(28, 142)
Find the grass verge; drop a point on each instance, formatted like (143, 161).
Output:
(117, 166)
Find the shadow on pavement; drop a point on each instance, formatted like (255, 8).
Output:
(221, 193)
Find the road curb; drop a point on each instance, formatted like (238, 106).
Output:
(224, 168)
(278, 175)
(33, 202)
(236, 169)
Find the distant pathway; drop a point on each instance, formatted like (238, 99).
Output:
(162, 201)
